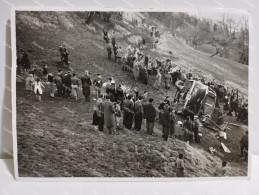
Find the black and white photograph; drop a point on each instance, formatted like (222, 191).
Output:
(131, 94)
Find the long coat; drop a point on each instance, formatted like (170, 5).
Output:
(136, 70)
(167, 78)
(86, 83)
(157, 83)
(109, 114)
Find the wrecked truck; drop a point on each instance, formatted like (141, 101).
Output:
(195, 98)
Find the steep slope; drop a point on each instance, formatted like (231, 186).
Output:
(62, 142)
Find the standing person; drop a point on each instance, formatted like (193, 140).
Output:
(157, 83)
(45, 71)
(99, 112)
(166, 122)
(117, 107)
(196, 128)
(149, 67)
(128, 112)
(52, 85)
(167, 78)
(109, 115)
(65, 56)
(119, 55)
(178, 130)
(179, 166)
(38, 89)
(115, 49)
(58, 82)
(109, 51)
(86, 83)
(145, 76)
(244, 145)
(136, 70)
(138, 113)
(150, 115)
(75, 86)
(188, 127)
(154, 67)
(119, 94)
(29, 82)
(66, 81)
(105, 36)
(98, 82)
(113, 39)
(26, 62)
(61, 50)
(173, 121)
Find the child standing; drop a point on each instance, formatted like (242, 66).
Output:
(38, 89)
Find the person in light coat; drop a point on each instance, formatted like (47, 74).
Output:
(38, 89)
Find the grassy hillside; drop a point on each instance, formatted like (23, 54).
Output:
(63, 143)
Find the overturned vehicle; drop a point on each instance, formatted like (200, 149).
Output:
(195, 98)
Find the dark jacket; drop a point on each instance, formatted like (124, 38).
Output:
(165, 118)
(149, 112)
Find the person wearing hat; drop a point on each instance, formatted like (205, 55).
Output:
(86, 83)
(166, 122)
(196, 128)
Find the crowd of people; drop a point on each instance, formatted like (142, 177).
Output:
(117, 108)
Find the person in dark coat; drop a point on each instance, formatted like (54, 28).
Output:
(109, 51)
(26, 62)
(150, 115)
(244, 145)
(109, 115)
(86, 83)
(65, 56)
(119, 94)
(128, 112)
(166, 122)
(115, 49)
(66, 81)
(105, 36)
(138, 109)
(45, 70)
